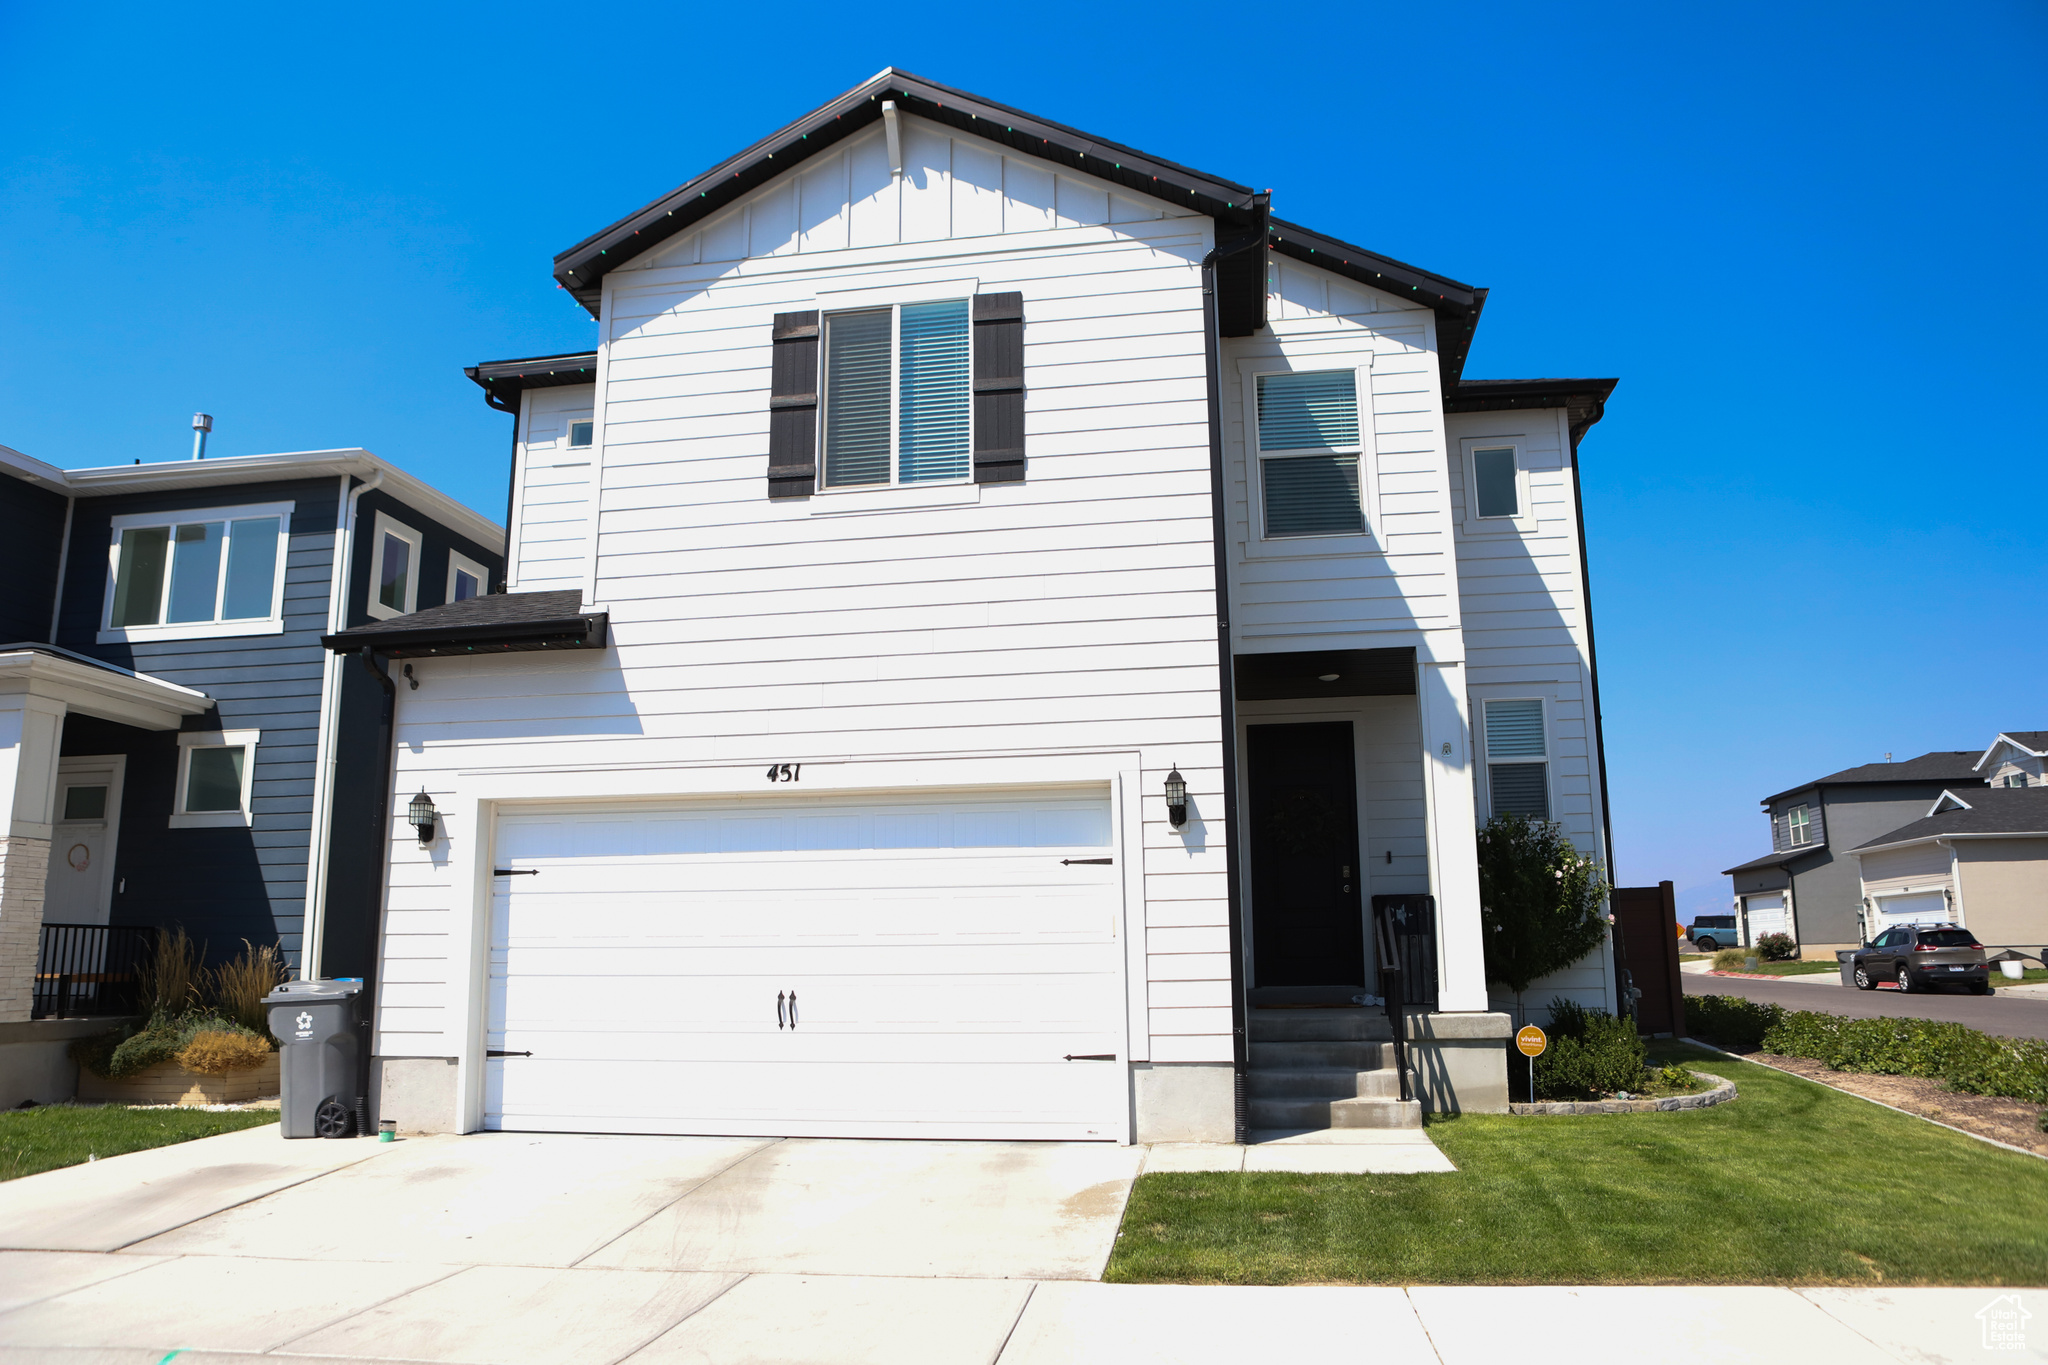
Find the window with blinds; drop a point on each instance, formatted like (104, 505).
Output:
(1517, 758)
(898, 395)
(1309, 450)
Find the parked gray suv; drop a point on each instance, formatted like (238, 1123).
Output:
(1922, 956)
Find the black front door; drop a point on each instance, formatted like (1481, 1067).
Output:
(1306, 924)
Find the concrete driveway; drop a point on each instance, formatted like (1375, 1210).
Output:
(504, 1249)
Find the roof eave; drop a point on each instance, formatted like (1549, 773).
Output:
(586, 630)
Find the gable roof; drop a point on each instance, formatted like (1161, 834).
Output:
(1942, 765)
(1975, 814)
(2034, 742)
(1242, 278)
(1778, 859)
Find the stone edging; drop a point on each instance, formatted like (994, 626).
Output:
(1723, 1091)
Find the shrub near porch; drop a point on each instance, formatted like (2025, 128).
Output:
(1781, 1186)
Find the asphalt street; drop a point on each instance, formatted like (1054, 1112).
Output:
(2006, 1016)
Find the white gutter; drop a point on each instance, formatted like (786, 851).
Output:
(339, 577)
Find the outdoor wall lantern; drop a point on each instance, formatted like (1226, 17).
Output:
(421, 813)
(1176, 798)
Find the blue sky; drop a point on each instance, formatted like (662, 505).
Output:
(1806, 238)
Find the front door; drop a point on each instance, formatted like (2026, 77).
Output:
(1307, 929)
(82, 846)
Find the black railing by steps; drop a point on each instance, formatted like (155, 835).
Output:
(90, 969)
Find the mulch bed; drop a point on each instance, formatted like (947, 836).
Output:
(2004, 1120)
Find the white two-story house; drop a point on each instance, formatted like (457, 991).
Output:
(988, 623)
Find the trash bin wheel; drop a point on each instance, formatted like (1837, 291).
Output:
(333, 1119)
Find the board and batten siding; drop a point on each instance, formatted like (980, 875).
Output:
(1522, 592)
(221, 884)
(1072, 613)
(550, 532)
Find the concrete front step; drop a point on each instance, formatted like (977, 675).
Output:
(1305, 1114)
(1318, 1026)
(1326, 1083)
(1349, 1055)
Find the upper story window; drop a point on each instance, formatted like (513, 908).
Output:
(186, 575)
(898, 398)
(580, 434)
(394, 568)
(1310, 446)
(216, 779)
(466, 578)
(2015, 779)
(1517, 758)
(1799, 826)
(1494, 483)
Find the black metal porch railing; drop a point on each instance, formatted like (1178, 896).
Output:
(1404, 938)
(90, 969)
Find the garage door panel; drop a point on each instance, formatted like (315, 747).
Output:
(945, 959)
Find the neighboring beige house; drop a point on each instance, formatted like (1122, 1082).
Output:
(2018, 758)
(1978, 858)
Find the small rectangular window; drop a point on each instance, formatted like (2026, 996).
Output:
(2016, 779)
(215, 778)
(1310, 494)
(178, 577)
(898, 399)
(1798, 825)
(466, 578)
(85, 803)
(1517, 758)
(1493, 471)
(394, 568)
(580, 434)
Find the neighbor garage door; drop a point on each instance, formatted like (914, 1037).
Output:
(1925, 907)
(922, 967)
(1766, 916)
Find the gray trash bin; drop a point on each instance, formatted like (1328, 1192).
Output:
(1846, 959)
(318, 1023)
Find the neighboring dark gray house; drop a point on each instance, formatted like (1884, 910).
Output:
(178, 748)
(1807, 885)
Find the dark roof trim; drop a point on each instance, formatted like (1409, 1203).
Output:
(502, 623)
(1944, 766)
(504, 380)
(582, 268)
(1457, 306)
(1778, 859)
(1584, 400)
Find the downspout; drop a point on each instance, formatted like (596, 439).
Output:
(373, 923)
(1226, 681)
(340, 576)
(1592, 653)
(63, 564)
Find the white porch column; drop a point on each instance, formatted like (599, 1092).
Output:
(1452, 836)
(31, 732)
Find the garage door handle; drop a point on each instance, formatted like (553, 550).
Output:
(515, 872)
(1095, 862)
(1091, 1057)
(778, 1011)
(792, 1009)
(495, 1053)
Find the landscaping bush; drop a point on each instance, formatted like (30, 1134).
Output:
(128, 1051)
(1962, 1058)
(1777, 948)
(1591, 1054)
(170, 976)
(1731, 959)
(1539, 900)
(1730, 1019)
(239, 985)
(216, 1052)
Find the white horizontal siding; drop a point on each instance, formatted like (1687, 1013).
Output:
(550, 540)
(1073, 612)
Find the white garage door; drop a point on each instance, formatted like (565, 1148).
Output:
(1766, 916)
(1925, 907)
(934, 967)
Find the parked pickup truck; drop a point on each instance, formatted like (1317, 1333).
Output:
(1710, 933)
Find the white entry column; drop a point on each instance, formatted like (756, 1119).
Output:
(1452, 836)
(31, 734)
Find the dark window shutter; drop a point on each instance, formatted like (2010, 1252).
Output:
(998, 388)
(793, 407)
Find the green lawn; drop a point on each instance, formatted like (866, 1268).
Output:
(33, 1140)
(1794, 968)
(2033, 975)
(1792, 1183)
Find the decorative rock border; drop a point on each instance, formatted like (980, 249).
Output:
(1723, 1091)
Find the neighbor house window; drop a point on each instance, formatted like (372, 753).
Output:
(466, 578)
(1309, 453)
(1798, 826)
(216, 775)
(580, 434)
(1494, 482)
(394, 568)
(219, 571)
(898, 401)
(1517, 759)
(2015, 779)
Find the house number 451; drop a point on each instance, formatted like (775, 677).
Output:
(785, 772)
